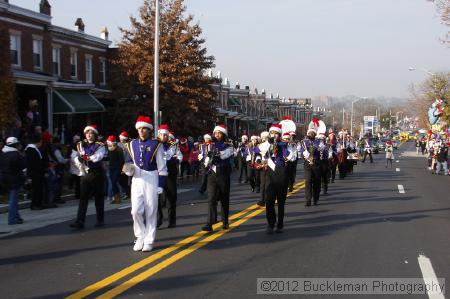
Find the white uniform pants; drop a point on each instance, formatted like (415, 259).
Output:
(144, 204)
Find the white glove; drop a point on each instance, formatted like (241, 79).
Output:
(160, 190)
(330, 154)
(306, 154)
(321, 146)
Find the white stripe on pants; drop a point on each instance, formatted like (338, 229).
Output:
(144, 204)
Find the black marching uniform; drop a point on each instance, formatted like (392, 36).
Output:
(313, 172)
(89, 158)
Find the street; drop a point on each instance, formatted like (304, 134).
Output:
(363, 228)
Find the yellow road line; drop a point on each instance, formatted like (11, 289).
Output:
(167, 262)
(130, 269)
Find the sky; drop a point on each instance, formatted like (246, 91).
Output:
(298, 48)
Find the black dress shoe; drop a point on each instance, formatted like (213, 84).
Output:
(315, 203)
(279, 230)
(171, 225)
(269, 230)
(201, 192)
(258, 190)
(253, 189)
(36, 208)
(225, 226)
(77, 225)
(261, 203)
(159, 222)
(207, 228)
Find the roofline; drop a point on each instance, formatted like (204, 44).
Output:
(14, 9)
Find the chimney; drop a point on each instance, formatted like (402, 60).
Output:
(79, 25)
(104, 34)
(45, 8)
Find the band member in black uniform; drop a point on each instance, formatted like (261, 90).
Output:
(276, 189)
(342, 154)
(263, 147)
(292, 160)
(242, 158)
(313, 174)
(204, 150)
(88, 158)
(253, 173)
(219, 167)
(325, 153)
(173, 157)
(332, 142)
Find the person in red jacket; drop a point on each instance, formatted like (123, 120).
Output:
(193, 160)
(184, 148)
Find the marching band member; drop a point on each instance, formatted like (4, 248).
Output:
(367, 151)
(292, 163)
(146, 164)
(276, 189)
(88, 159)
(218, 163)
(334, 157)
(310, 151)
(253, 177)
(204, 150)
(124, 180)
(263, 147)
(342, 154)
(324, 163)
(173, 157)
(242, 156)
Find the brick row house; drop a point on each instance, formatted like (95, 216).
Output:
(65, 71)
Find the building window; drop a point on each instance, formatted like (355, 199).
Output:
(74, 64)
(37, 54)
(88, 69)
(103, 72)
(15, 49)
(56, 59)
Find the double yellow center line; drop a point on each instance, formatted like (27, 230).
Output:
(249, 213)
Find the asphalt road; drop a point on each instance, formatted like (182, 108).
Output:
(364, 228)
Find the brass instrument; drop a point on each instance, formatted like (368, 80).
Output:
(310, 150)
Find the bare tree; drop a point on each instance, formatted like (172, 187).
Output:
(443, 9)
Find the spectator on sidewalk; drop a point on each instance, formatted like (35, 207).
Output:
(12, 166)
(36, 171)
(441, 158)
(74, 181)
(60, 167)
(193, 160)
(184, 148)
(50, 175)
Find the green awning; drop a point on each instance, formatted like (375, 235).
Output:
(75, 101)
(233, 102)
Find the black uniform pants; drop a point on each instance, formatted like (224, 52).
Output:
(219, 190)
(333, 166)
(204, 179)
(253, 177)
(169, 198)
(325, 174)
(276, 190)
(370, 156)
(37, 191)
(92, 184)
(313, 175)
(263, 186)
(292, 173)
(243, 168)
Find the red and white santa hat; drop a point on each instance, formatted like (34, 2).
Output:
(123, 136)
(311, 130)
(143, 122)
(207, 136)
(321, 136)
(183, 140)
(163, 129)
(389, 142)
(275, 128)
(221, 128)
(286, 135)
(292, 133)
(172, 135)
(93, 128)
(111, 140)
(264, 134)
(330, 133)
(244, 137)
(254, 137)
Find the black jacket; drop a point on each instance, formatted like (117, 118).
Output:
(36, 164)
(12, 164)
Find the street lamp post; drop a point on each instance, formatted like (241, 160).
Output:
(433, 76)
(156, 82)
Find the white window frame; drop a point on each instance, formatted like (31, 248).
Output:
(56, 48)
(18, 36)
(88, 68)
(102, 69)
(39, 41)
(74, 51)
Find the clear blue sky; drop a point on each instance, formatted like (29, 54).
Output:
(299, 48)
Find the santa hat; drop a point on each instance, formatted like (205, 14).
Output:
(330, 133)
(389, 142)
(163, 129)
(264, 134)
(123, 136)
(286, 135)
(254, 137)
(143, 122)
(321, 136)
(207, 136)
(183, 140)
(111, 140)
(311, 130)
(292, 133)
(93, 128)
(172, 135)
(46, 137)
(244, 137)
(275, 128)
(221, 128)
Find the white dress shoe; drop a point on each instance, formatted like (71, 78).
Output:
(138, 245)
(147, 247)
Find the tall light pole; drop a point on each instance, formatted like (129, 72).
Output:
(433, 76)
(156, 83)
